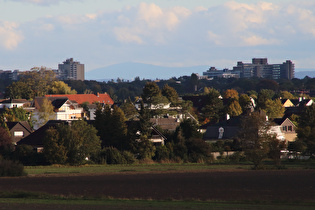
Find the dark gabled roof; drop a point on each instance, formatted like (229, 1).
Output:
(24, 124)
(36, 138)
(295, 101)
(58, 102)
(233, 121)
(279, 121)
(304, 102)
(11, 124)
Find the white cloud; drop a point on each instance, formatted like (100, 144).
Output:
(151, 33)
(128, 35)
(9, 36)
(214, 38)
(304, 18)
(148, 23)
(44, 2)
(257, 40)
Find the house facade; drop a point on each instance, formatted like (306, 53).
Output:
(287, 128)
(11, 103)
(64, 109)
(19, 130)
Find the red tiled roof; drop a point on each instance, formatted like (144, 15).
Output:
(91, 98)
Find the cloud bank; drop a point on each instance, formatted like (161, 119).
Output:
(174, 36)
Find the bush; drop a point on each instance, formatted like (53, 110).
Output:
(26, 155)
(162, 153)
(111, 155)
(10, 168)
(130, 157)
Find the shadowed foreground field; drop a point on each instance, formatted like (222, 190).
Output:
(276, 186)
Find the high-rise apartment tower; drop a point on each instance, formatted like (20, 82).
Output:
(71, 70)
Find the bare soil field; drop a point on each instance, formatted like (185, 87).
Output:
(278, 185)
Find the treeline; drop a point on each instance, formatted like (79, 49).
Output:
(123, 90)
(39, 83)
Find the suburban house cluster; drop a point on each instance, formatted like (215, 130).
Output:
(65, 108)
(70, 107)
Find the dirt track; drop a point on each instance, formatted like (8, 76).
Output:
(217, 185)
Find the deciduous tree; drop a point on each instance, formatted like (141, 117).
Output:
(255, 138)
(71, 143)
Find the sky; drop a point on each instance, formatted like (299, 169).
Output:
(172, 33)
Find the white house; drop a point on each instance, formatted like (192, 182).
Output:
(11, 103)
(64, 109)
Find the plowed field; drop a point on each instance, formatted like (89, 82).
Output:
(286, 185)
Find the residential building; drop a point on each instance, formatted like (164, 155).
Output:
(19, 130)
(8, 74)
(102, 98)
(230, 128)
(212, 72)
(70, 70)
(36, 138)
(287, 128)
(260, 68)
(11, 103)
(64, 109)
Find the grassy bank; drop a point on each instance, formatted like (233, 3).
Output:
(172, 167)
(25, 200)
(96, 169)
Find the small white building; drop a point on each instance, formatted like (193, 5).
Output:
(11, 103)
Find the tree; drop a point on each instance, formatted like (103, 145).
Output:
(230, 94)
(263, 95)
(6, 146)
(274, 108)
(275, 147)
(71, 143)
(171, 94)
(54, 148)
(15, 114)
(18, 90)
(255, 138)
(234, 108)
(306, 128)
(150, 90)
(31, 84)
(111, 127)
(129, 109)
(286, 95)
(213, 107)
(194, 80)
(59, 87)
(45, 113)
(245, 102)
(189, 129)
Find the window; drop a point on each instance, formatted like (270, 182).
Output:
(18, 133)
(284, 128)
(73, 117)
(290, 128)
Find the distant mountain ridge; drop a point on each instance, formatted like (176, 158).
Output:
(301, 73)
(130, 70)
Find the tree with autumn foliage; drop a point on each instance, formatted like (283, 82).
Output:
(232, 106)
(255, 138)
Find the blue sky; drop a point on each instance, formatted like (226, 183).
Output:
(177, 33)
